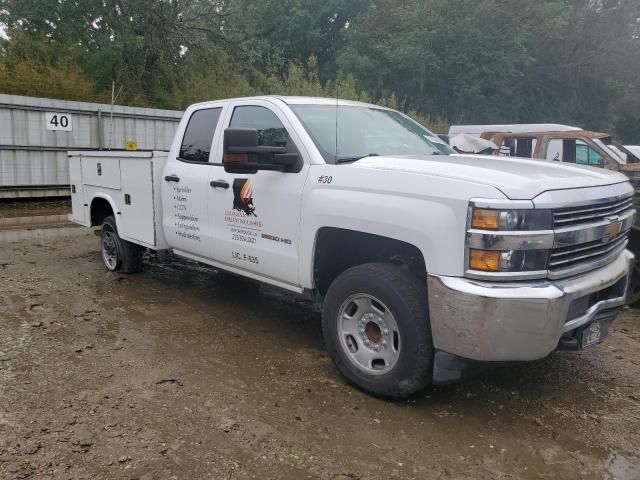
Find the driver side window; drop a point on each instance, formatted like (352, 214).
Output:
(271, 132)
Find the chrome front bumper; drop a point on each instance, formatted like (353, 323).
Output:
(499, 321)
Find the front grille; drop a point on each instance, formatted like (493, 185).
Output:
(586, 220)
(566, 257)
(566, 217)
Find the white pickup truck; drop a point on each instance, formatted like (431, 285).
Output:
(422, 259)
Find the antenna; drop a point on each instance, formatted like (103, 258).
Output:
(336, 159)
(337, 98)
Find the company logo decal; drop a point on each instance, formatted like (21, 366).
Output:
(243, 196)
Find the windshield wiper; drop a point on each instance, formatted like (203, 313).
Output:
(354, 159)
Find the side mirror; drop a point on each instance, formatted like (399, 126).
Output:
(242, 154)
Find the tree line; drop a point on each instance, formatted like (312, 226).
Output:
(442, 61)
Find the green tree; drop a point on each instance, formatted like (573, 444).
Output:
(137, 43)
(274, 33)
(31, 66)
(442, 61)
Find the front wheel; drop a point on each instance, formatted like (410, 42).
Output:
(376, 328)
(118, 254)
(633, 290)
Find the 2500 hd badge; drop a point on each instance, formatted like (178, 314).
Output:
(275, 238)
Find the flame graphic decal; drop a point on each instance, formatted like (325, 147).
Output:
(243, 196)
(245, 192)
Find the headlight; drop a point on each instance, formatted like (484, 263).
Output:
(507, 260)
(510, 220)
(508, 243)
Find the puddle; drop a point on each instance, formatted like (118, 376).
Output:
(623, 468)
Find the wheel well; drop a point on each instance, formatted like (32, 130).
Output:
(100, 209)
(634, 240)
(339, 249)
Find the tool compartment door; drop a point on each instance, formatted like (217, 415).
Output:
(77, 190)
(101, 171)
(137, 215)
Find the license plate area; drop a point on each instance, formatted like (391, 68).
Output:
(591, 333)
(597, 330)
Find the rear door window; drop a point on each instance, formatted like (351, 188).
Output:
(198, 136)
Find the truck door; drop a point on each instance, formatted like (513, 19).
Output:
(255, 218)
(573, 150)
(185, 184)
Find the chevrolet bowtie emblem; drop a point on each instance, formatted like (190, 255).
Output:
(613, 229)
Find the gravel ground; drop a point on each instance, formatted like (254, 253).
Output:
(182, 372)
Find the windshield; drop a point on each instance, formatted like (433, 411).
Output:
(617, 151)
(366, 131)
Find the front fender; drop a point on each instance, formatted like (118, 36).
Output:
(430, 214)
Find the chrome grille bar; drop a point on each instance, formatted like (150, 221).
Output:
(581, 239)
(585, 214)
(562, 257)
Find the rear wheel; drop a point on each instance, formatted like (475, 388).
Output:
(376, 328)
(118, 254)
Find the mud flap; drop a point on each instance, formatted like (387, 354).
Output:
(448, 368)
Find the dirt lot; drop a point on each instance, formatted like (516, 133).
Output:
(183, 372)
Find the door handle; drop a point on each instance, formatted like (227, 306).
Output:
(172, 178)
(219, 184)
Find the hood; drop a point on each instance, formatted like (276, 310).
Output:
(517, 178)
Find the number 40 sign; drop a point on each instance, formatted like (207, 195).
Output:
(58, 121)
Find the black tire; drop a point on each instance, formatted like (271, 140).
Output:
(633, 290)
(118, 254)
(406, 299)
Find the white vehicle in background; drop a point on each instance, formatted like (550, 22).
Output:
(421, 258)
(635, 149)
(467, 143)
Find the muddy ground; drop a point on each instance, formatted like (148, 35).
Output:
(182, 372)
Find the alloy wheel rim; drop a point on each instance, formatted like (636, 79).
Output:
(109, 249)
(369, 334)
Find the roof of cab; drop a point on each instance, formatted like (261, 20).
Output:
(295, 100)
(299, 100)
(556, 133)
